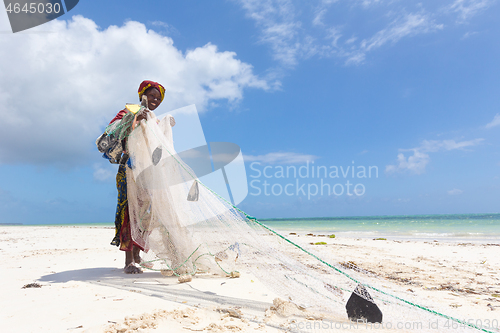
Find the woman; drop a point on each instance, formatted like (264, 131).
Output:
(124, 122)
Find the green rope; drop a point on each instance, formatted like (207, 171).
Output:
(254, 220)
(366, 285)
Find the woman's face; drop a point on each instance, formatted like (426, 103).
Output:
(154, 98)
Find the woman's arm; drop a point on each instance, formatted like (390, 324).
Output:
(139, 116)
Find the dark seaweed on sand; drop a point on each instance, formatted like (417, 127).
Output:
(32, 285)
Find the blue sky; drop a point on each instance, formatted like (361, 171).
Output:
(408, 87)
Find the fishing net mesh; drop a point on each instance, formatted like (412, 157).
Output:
(188, 229)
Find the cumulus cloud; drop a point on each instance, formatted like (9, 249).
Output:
(417, 162)
(59, 89)
(495, 122)
(280, 158)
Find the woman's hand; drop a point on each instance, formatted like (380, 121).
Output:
(142, 115)
(172, 121)
(138, 117)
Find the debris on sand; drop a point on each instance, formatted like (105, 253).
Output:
(167, 272)
(232, 312)
(185, 278)
(234, 274)
(32, 285)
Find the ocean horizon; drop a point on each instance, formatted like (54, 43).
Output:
(441, 227)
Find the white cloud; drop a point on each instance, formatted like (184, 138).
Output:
(282, 29)
(417, 162)
(495, 122)
(104, 172)
(408, 25)
(351, 40)
(465, 9)
(455, 191)
(278, 25)
(334, 35)
(355, 58)
(318, 18)
(359, 191)
(280, 158)
(469, 34)
(433, 146)
(367, 3)
(59, 90)
(297, 30)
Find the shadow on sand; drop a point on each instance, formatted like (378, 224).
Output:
(95, 275)
(155, 285)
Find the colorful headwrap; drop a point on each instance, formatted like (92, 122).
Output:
(145, 85)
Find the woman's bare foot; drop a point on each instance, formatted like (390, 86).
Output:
(132, 269)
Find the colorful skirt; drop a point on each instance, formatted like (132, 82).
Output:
(123, 236)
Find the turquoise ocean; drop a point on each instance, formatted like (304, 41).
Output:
(451, 227)
(484, 228)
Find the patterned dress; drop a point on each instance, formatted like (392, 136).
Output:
(123, 236)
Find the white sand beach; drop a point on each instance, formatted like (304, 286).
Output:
(78, 284)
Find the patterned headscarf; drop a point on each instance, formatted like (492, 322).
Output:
(145, 85)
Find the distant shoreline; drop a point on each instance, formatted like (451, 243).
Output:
(477, 228)
(107, 224)
(320, 233)
(373, 217)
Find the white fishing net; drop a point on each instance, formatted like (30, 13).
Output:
(188, 229)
